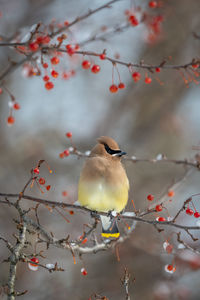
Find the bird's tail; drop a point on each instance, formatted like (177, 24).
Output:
(109, 227)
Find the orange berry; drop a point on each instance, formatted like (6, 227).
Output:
(55, 60)
(16, 106)
(54, 73)
(41, 181)
(170, 193)
(11, 120)
(121, 85)
(136, 76)
(61, 155)
(48, 187)
(113, 88)
(148, 80)
(49, 85)
(64, 193)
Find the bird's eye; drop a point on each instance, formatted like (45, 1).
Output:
(111, 151)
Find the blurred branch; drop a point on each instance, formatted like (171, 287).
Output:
(84, 16)
(125, 282)
(103, 36)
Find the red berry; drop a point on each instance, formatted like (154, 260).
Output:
(69, 134)
(69, 49)
(95, 69)
(68, 46)
(189, 211)
(83, 241)
(133, 20)
(46, 39)
(34, 260)
(169, 248)
(48, 187)
(150, 197)
(71, 212)
(73, 72)
(39, 39)
(55, 60)
(33, 46)
(86, 64)
(158, 207)
(45, 65)
(161, 219)
(16, 106)
(46, 78)
(153, 4)
(54, 73)
(49, 85)
(64, 193)
(42, 181)
(66, 23)
(1, 91)
(113, 88)
(11, 120)
(148, 80)
(77, 47)
(121, 85)
(169, 267)
(158, 19)
(65, 75)
(158, 70)
(83, 271)
(195, 66)
(102, 56)
(59, 39)
(36, 170)
(66, 152)
(196, 214)
(136, 76)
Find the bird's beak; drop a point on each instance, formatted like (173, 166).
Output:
(120, 153)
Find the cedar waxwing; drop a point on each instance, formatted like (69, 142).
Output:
(103, 184)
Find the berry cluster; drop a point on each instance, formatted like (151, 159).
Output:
(159, 207)
(192, 212)
(40, 181)
(86, 64)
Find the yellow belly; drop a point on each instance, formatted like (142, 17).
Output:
(102, 197)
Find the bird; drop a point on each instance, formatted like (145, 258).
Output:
(103, 184)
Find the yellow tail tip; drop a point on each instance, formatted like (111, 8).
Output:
(110, 235)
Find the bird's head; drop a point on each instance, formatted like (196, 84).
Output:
(108, 148)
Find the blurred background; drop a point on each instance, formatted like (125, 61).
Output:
(145, 120)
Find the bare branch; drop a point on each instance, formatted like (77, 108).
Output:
(125, 282)
(185, 244)
(14, 258)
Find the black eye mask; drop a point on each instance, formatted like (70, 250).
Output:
(113, 152)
